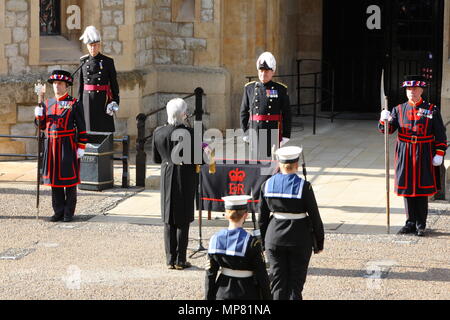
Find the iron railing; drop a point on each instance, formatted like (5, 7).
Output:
(141, 155)
(326, 92)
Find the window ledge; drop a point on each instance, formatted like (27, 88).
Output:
(58, 50)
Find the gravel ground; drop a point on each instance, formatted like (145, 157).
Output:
(110, 261)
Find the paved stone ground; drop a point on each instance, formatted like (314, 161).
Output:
(109, 261)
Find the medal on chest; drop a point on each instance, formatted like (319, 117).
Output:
(65, 105)
(425, 113)
(272, 93)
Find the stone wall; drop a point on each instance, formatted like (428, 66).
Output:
(172, 42)
(112, 17)
(17, 113)
(17, 35)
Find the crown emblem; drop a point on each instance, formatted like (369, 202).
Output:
(237, 175)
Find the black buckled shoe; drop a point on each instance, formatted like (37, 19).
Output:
(56, 218)
(407, 230)
(420, 232)
(183, 266)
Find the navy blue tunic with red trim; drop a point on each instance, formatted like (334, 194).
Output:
(421, 135)
(63, 121)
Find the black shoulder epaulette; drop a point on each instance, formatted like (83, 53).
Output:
(249, 83)
(282, 84)
(84, 57)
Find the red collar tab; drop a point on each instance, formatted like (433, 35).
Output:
(413, 104)
(64, 97)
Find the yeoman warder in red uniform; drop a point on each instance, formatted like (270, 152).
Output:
(63, 121)
(421, 146)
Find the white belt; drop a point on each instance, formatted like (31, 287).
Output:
(237, 273)
(289, 216)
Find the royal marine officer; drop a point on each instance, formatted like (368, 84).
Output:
(421, 146)
(99, 90)
(239, 258)
(264, 109)
(62, 119)
(290, 225)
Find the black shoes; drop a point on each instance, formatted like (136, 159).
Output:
(171, 265)
(183, 266)
(56, 218)
(420, 232)
(407, 230)
(412, 230)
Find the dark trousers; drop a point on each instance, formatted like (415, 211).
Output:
(416, 212)
(64, 201)
(288, 269)
(176, 242)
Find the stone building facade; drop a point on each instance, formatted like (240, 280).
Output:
(162, 49)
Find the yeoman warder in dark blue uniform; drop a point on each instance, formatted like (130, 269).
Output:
(421, 146)
(99, 90)
(238, 256)
(290, 225)
(63, 121)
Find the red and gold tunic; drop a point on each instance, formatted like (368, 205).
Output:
(421, 136)
(64, 125)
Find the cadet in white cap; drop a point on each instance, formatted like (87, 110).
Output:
(265, 106)
(238, 255)
(99, 89)
(290, 225)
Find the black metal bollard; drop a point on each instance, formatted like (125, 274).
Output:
(141, 156)
(125, 158)
(199, 104)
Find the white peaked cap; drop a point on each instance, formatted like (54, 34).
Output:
(236, 202)
(289, 154)
(269, 59)
(91, 35)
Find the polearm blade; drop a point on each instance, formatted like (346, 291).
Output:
(384, 106)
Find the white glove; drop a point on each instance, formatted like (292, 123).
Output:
(437, 160)
(284, 141)
(385, 115)
(246, 139)
(38, 112)
(111, 108)
(80, 153)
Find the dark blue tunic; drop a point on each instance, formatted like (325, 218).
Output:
(65, 128)
(421, 135)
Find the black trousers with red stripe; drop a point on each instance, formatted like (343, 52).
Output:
(416, 212)
(64, 201)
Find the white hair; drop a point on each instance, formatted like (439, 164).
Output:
(91, 35)
(269, 59)
(176, 109)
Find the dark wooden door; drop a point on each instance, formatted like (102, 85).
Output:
(409, 42)
(416, 46)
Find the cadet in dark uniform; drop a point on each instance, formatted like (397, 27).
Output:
(421, 146)
(63, 121)
(239, 257)
(265, 107)
(179, 182)
(98, 89)
(293, 229)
